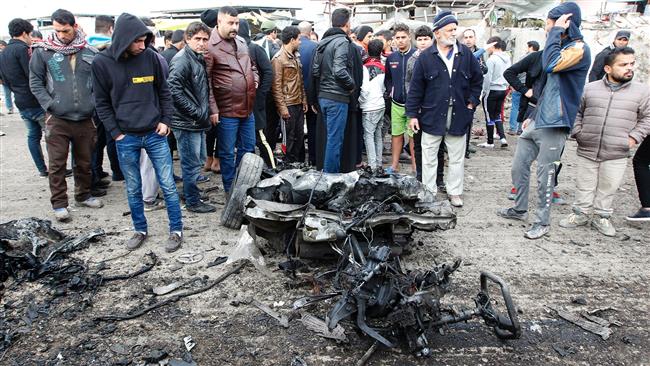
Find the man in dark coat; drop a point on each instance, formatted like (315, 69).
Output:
(441, 101)
(621, 39)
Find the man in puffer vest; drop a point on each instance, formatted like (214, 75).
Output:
(614, 117)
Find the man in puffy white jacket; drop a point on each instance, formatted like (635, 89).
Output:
(372, 103)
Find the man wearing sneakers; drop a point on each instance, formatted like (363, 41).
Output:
(641, 163)
(494, 90)
(134, 102)
(605, 137)
(60, 79)
(566, 60)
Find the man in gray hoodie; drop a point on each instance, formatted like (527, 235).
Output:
(494, 90)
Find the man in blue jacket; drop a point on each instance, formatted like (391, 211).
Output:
(565, 59)
(134, 102)
(306, 51)
(443, 95)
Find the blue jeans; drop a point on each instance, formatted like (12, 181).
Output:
(128, 150)
(231, 133)
(514, 112)
(9, 103)
(192, 151)
(34, 121)
(335, 116)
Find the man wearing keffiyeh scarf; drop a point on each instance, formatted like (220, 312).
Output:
(60, 79)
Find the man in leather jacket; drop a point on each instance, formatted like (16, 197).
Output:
(188, 83)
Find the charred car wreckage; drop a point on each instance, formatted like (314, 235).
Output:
(366, 220)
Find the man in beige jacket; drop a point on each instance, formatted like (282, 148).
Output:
(614, 117)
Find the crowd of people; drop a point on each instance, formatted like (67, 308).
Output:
(216, 92)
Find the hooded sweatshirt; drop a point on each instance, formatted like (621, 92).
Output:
(131, 92)
(493, 79)
(566, 59)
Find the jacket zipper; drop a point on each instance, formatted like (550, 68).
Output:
(602, 130)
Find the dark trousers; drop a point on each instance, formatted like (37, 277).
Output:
(311, 136)
(59, 136)
(104, 140)
(293, 134)
(494, 106)
(272, 129)
(641, 164)
(211, 142)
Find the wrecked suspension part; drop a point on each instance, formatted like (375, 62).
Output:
(390, 305)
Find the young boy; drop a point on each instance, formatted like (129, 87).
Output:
(372, 102)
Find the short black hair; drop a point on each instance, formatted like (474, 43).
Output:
(611, 57)
(196, 27)
(340, 17)
(64, 17)
(533, 44)
(19, 26)
(386, 34)
(423, 31)
(401, 27)
(103, 23)
(375, 47)
(36, 34)
(499, 43)
(289, 33)
(228, 10)
(167, 36)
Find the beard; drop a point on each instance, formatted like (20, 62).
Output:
(622, 78)
(446, 42)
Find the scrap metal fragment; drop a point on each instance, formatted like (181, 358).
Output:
(190, 258)
(600, 321)
(272, 313)
(308, 300)
(189, 343)
(320, 327)
(366, 356)
(603, 332)
(163, 290)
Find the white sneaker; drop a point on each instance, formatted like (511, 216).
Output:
(92, 202)
(504, 143)
(456, 201)
(486, 145)
(61, 214)
(574, 220)
(604, 226)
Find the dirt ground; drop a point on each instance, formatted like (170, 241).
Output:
(551, 272)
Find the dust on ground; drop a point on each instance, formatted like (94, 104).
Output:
(565, 265)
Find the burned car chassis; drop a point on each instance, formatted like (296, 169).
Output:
(366, 220)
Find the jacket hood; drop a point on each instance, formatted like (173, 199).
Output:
(331, 35)
(576, 18)
(244, 30)
(128, 28)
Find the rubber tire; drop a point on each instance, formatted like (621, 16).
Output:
(249, 172)
(232, 215)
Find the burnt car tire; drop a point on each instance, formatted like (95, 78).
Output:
(249, 172)
(232, 215)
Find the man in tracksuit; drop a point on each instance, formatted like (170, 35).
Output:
(394, 82)
(566, 60)
(134, 102)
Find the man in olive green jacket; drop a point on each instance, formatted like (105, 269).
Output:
(613, 118)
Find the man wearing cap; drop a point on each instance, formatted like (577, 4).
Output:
(269, 40)
(598, 69)
(565, 60)
(178, 41)
(443, 95)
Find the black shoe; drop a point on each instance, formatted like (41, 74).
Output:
(102, 183)
(43, 174)
(173, 243)
(68, 173)
(117, 178)
(97, 192)
(641, 215)
(201, 208)
(467, 154)
(103, 175)
(442, 188)
(136, 241)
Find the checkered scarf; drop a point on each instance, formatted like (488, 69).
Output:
(52, 43)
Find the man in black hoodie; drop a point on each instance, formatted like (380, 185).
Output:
(134, 102)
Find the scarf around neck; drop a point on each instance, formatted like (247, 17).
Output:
(54, 44)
